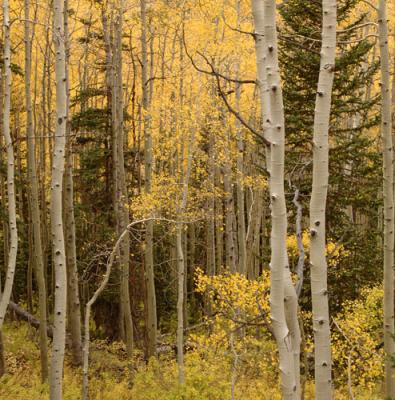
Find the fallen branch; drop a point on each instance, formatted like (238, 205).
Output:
(27, 317)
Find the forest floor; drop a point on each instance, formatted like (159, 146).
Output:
(113, 377)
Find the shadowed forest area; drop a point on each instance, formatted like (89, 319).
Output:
(197, 199)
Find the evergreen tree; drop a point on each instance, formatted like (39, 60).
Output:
(354, 163)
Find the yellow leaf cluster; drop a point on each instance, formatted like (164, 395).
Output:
(335, 252)
(356, 334)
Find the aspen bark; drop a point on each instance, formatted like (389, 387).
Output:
(240, 195)
(230, 245)
(73, 297)
(299, 233)
(34, 202)
(58, 242)
(318, 263)
(2, 356)
(3, 202)
(260, 51)
(13, 240)
(42, 170)
(291, 317)
(212, 266)
(121, 193)
(268, 56)
(388, 196)
(218, 215)
(148, 160)
(181, 263)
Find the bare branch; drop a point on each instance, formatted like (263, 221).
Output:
(213, 73)
(259, 135)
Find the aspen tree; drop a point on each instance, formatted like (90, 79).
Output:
(388, 196)
(44, 143)
(115, 124)
(273, 112)
(240, 195)
(73, 297)
(121, 194)
(181, 262)
(319, 290)
(148, 160)
(218, 215)
(58, 242)
(212, 266)
(230, 242)
(13, 239)
(3, 203)
(34, 201)
(2, 356)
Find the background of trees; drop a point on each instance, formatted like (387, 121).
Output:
(162, 123)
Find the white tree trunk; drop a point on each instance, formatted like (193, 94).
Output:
(13, 241)
(319, 291)
(34, 202)
(58, 243)
(388, 196)
(269, 80)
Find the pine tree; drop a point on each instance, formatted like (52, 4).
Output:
(354, 168)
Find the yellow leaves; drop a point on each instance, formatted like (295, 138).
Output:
(356, 335)
(235, 303)
(255, 182)
(230, 294)
(335, 252)
(164, 200)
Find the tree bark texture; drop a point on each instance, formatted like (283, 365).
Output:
(58, 242)
(34, 202)
(13, 235)
(388, 197)
(318, 263)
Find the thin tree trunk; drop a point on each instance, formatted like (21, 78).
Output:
(218, 215)
(212, 267)
(73, 297)
(180, 304)
(2, 356)
(42, 170)
(388, 195)
(13, 246)
(92, 300)
(230, 245)
(89, 304)
(38, 259)
(318, 263)
(240, 195)
(30, 261)
(299, 238)
(148, 160)
(58, 242)
(181, 262)
(122, 197)
(3, 202)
